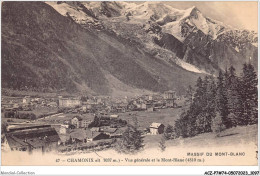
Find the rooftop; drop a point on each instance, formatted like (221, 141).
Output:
(155, 125)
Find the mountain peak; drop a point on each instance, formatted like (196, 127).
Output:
(193, 12)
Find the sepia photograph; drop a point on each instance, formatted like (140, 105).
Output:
(129, 83)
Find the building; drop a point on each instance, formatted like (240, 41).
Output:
(83, 136)
(64, 129)
(108, 130)
(156, 128)
(149, 107)
(36, 138)
(13, 128)
(94, 136)
(143, 106)
(69, 102)
(96, 129)
(113, 132)
(170, 103)
(84, 108)
(78, 135)
(169, 95)
(26, 100)
(52, 104)
(76, 121)
(169, 98)
(114, 116)
(85, 123)
(99, 100)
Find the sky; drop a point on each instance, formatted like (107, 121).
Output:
(239, 14)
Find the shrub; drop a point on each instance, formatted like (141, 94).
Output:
(9, 114)
(162, 145)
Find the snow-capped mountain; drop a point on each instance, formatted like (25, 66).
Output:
(195, 39)
(171, 20)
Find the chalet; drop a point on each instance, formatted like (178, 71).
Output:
(156, 128)
(37, 138)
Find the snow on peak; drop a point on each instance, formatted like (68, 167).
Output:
(196, 18)
(170, 19)
(147, 10)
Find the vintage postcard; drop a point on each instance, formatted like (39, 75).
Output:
(114, 83)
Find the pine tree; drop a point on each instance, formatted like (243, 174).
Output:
(3, 127)
(189, 95)
(249, 95)
(204, 118)
(169, 132)
(131, 141)
(197, 105)
(211, 99)
(135, 121)
(234, 98)
(221, 98)
(217, 124)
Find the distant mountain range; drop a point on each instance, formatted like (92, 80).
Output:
(115, 48)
